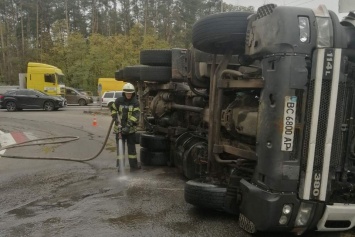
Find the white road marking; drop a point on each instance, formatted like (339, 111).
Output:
(30, 136)
(6, 139)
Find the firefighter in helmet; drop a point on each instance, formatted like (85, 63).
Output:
(127, 108)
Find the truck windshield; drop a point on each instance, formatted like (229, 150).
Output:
(60, 78)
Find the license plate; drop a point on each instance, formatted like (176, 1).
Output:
(289, 123)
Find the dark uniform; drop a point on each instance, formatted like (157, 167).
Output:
(128, 110)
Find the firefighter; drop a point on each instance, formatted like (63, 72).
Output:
(127, 108)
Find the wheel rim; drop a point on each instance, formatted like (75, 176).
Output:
(48, 106)
(11, 106)
(82, 102)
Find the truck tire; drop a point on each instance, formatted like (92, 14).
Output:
(119, 75)
(156, 57)
(154, 142)
(205, 195)
(221, 32)
(132, 73)
(153, 158)
(156, 74)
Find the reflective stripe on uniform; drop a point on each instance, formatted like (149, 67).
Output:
(119, 157)
(130, 117)
(133, 119)
(132, 156)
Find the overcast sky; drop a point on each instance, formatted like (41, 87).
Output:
(330, 4)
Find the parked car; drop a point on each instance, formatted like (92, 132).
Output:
(19, 99)
(73, 96)
(109, 97)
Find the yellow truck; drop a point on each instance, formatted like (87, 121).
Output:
(43, 77)
(109, 84)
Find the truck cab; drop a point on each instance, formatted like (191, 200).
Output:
(42, 77)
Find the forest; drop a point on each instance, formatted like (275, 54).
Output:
(89, 39)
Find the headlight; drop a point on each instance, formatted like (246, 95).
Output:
(325, 27)
(287, 209)
(304, 213)
(325, 32)
(286, 214)
(283, 220)
(303, 24)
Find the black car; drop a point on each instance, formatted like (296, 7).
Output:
(20, 99)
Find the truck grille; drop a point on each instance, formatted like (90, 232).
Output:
(344, 95)
(325, 138)
(324, 143)
(322, 126)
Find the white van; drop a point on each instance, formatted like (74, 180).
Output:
(109, 97)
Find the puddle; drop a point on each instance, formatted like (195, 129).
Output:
(111, 148)
(130, 219)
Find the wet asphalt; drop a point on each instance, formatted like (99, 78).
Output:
(60, 198)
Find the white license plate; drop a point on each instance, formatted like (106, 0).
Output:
(289, 123)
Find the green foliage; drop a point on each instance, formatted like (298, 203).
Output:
(84, 60)
(92, 39)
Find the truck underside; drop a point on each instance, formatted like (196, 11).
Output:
(258, 115)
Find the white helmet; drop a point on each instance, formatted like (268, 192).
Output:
(128, 88)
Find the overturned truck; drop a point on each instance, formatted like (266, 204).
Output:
(258, 115)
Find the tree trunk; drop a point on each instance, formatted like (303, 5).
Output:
(22, 33)
(3, 68)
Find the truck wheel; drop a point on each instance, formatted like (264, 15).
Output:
(119, 75)
(154, 142)
(48, 106)
(153, 158)
(156, 57)
(132, 73)
(201, 194)
(82, 102)
(11, 106)
(156, 74)
(221, 32)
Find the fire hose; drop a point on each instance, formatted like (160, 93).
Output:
(67, 139)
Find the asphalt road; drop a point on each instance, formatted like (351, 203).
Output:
(60, 198)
